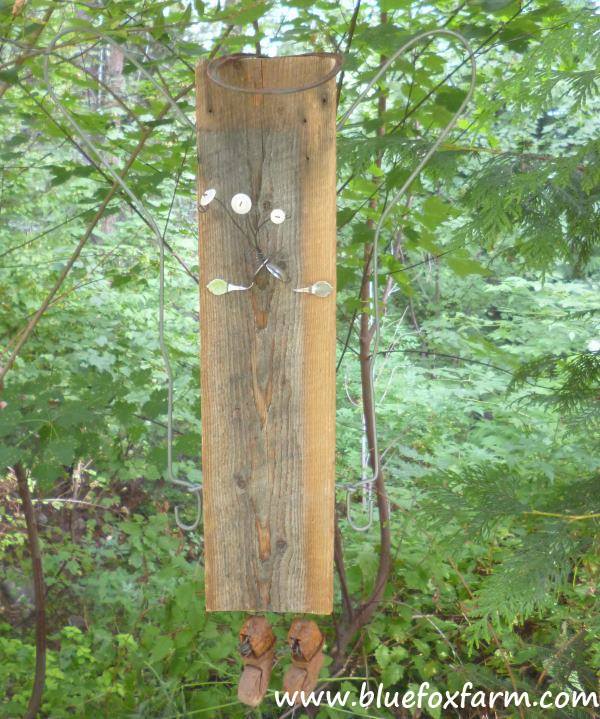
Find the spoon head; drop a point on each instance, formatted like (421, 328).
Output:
(277, 272)
(218, 287)
(241, 204)
(322, 289)
(207, 197)
(277, 216)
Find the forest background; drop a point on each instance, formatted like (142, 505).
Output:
(486, 385)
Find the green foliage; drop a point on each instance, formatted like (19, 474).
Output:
(487, 378)
(575, 381)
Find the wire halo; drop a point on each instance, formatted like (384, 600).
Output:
(215, 65)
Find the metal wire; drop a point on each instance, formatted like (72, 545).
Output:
(187, 486)
(213, 67)
(367, 484)
(218, 63)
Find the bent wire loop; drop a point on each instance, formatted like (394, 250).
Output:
(368, 484)
(159, 237)
(365, 484)
(215, 65)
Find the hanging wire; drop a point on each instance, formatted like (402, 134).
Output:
(159, 237)
(366, 484)
(212, 72)
(188, 486)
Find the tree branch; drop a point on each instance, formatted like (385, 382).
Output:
(39, 680)
(338, 553)
(24, 336)
(351, 31)
(34, 38)
(357, 619)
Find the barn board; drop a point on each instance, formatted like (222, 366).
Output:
(268, 354)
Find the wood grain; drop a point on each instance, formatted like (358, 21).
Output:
(268, 355)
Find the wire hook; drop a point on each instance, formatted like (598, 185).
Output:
(370, 506)
(196, 489)
(371, 481)
(188, 486)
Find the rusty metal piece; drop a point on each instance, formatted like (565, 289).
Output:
(257, 650)
(306, 647)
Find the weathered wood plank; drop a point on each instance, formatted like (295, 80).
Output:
(268, 355)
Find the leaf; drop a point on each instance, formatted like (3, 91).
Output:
(62, 450)
(156, 404)
(9, 76)
(464, 266)
(496, 5)
(451, 98)
(246, 15)
(434, 211)
(8, 456)
(345, 277)
(392, 674)
(388, 5)
(161, 648)
(46, 473)
(382, 656)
